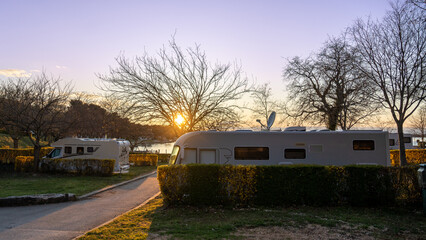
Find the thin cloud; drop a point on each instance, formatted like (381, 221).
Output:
(14, 73)
(61, 67)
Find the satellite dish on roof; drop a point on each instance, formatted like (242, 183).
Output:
(271, 120)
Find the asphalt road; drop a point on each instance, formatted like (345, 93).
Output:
(71, 219)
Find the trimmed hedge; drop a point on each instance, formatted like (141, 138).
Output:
(143, 159)
(8, 155)
(104, 167)
(24, 164)
(414, 156)
(197, 184)
(163, 157)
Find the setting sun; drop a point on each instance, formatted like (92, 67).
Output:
(179, 120)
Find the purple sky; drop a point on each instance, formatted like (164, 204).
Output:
(76, 39)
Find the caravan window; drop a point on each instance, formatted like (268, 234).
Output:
(407, 140)
(295, 153)
(80, 150)
(54, 153)
(189, 156)
(360, 145)
(391, 142)
(68, 150)
(251, 153)
(174, 155)
(207, 156)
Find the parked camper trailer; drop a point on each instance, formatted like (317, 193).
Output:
(93, 148)
(280, 148)
(394, 141)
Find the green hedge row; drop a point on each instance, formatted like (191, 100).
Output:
(103, 167)
(289, 185)
(163, 157)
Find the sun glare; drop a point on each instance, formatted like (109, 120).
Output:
(179, 120)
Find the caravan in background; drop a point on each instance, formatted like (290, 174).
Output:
(94, 148)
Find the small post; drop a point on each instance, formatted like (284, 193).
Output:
(421, 174)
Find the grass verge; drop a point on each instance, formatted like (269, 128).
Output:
(156, 221)
(18, 184)
(24, 142)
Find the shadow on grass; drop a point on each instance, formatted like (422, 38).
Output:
(156, 221)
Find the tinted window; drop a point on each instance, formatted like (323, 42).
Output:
(174, 155)
(68, 150)
(56, 152)
(294, 153)
(80, 150)
(391, 142)
(251, 153)
(89, 149)
(407, 140)
(363, 145)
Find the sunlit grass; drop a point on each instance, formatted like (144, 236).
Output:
(156, 220)
(18, 184)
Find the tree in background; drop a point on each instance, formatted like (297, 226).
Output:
(263, 104)
(328, 88)
(88, 119)
(34, 106)
(177, 87)
(418, 122)
(394, 60)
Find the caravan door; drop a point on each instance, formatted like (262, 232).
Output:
(207, 156)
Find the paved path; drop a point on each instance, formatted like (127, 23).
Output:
(71, 219)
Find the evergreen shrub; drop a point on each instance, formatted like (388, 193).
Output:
(103, 167)
(198, 184)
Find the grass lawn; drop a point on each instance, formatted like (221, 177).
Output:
(160, 222)
(18, 184)
(6, 140)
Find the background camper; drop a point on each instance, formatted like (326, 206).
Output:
(287, 147)
(93, 148)
(394, 141)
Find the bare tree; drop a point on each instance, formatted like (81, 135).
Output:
(14, 103)
(35, 106)
(176, 84)
(418, 3)
(418, 122)
(263, 103)
(328, 88)
(394, 57)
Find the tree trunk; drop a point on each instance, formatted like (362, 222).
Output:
(402, 157)
(37, 149)
(333, 117)
(15, 142)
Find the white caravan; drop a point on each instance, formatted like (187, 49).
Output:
(96, 148)
(282, 148)
(394, 141)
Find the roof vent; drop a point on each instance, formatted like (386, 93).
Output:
(295, 129)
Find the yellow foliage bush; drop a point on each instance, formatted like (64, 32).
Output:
(8, 155)
(238, 182)
(24, 163)
(414, 156)
(143, 159)
(173, 180)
